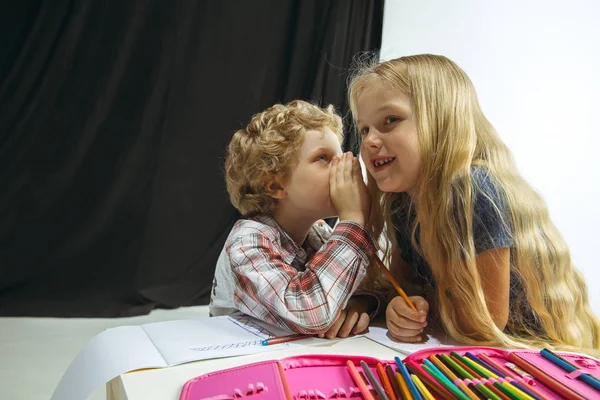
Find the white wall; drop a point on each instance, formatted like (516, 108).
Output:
(536, 67)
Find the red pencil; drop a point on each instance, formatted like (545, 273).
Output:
(544, 378)
(284, 339)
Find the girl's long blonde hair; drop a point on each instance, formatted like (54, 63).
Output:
(454, 136)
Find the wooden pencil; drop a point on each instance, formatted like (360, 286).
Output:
(394, 283)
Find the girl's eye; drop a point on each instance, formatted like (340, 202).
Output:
(364, 131)
(323, 158)
(391, 120)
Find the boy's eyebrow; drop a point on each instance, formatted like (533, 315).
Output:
(320, 150)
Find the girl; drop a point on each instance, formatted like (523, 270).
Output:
(468, 235)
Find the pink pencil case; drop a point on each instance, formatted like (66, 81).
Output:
(313, 377)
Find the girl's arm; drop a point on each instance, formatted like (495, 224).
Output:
(494, 270)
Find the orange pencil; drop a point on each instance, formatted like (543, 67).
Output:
(359, 382)
(390, 277)
(387, 386)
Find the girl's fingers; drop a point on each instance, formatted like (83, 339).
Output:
(405, 323)
(401, 332)
(408, 339)
(401, 308)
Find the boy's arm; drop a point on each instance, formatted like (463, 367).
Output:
(309, 301)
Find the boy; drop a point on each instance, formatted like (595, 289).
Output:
(283, 264)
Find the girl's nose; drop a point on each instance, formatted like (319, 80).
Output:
(372, 139)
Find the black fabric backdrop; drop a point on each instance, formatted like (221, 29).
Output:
(114, 120)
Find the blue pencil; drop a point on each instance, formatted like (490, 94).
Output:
(556, 359)
(409, 382)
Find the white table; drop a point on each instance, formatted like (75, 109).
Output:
(166, 383)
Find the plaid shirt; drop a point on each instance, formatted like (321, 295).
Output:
(279, 282)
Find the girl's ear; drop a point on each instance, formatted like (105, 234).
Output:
(275, 189)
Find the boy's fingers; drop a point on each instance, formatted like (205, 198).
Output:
(362, 324)
(340, 171)
(348, 167)
(351, 319)
(333, 174)
(356, 175)
(334, 329)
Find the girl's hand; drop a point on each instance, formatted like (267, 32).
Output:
(404, 323)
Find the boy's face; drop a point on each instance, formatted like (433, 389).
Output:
(307, 186)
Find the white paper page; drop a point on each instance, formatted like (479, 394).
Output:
(162, 344)
(216, 337)
(108, 355)
(380, 336)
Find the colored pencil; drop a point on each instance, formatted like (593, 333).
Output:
(488, 392)
(494, 389)
(544, 378)
(461, 371)
(453, 378)
(482, 371)
(394, 382)
(431, 384)
(491, 372)
(483, 363)
(284, 383)
(406, 376)
(421, 387)
(358, 381)
(404, 387)
(563, 364)
(517, 378)
(284, 339)
(374, 382)
(458, 361)
(387, 386)
(505, 389)
(504, 370)
(394, 283)
(445, 382)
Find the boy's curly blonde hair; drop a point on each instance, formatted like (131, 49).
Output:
(267, 148)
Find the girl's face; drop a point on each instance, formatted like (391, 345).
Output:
(390, 146)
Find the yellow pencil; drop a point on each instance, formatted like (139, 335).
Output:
(390, 277)
(404, 387)
(426, 393)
